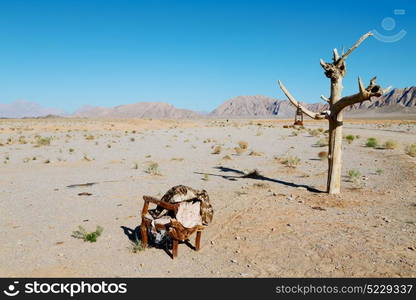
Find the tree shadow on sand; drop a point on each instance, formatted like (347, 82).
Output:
(257, 176)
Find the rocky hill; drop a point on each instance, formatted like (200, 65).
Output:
(397, 101)
(155, 110)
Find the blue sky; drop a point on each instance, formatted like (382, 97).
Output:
(193, 54)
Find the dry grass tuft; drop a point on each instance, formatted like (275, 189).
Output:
(217, 150)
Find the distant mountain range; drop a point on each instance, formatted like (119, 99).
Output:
(21, 109)
(396, 102)
(137, 110)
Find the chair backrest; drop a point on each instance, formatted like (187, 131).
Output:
(149, 199)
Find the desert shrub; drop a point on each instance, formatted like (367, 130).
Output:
(322, 142)
(71, 150)
(243, 145)
(135, 165)
(217, 150)
(136, 246)
(89, 137)
(177, 159)
(239, 150)
(227, 157)
(411, 150)
(390, 144)
(291, 161)
(22, 140)
(132, 139)
(323, 155)
(350, 138)
(314, 132)
(43, 141)
(379, 171)
(254, 153)
(205, 177)
(371, 142)
(91, 237)
(153, 168)
(353, 175)
(295, 133)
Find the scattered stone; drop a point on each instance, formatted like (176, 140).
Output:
(84, 194)
(234, 261)
(385, 219)
(318, 208)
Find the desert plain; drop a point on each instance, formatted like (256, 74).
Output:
(278, 224)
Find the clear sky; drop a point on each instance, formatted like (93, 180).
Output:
(193, 54)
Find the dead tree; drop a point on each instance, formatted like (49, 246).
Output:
(335, 71)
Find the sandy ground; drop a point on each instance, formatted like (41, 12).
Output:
(279, 225)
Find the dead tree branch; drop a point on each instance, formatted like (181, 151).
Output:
(364, 94)
(309, 113)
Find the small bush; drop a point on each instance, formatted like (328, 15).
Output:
(350, 138)
(91, 237)
(227, 157)
(314, 132)
(217, 150)
(89, 137)
(411, 150)
(322, 142)
(353, 175)
(205, 177)
(71, 150)
(43, 141)
(371, 142)
(153, 168)
(136, 246)
(254, 153)
(390, 144)
(323, 155)
(291, 161)
(243, 145)
(239, 150)
(379, 171)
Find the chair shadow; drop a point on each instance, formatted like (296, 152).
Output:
(242, 175)
(132, 234)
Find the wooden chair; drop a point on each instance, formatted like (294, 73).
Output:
(175, 229)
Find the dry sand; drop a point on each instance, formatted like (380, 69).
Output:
(279, 226)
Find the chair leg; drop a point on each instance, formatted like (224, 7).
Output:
(143, 232)
(198, 240)
(175, 248)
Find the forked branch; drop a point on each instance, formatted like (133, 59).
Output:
(309, 113)
(337, 69)
(364, 94)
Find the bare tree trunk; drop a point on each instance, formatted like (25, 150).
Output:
(335, 140)
(335, 71)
